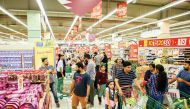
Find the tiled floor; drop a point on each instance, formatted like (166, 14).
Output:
(65, 103)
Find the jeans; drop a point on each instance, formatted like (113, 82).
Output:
(60, 85)
(52, 86)
(101, 91)
(92, 89)
(108, 107)
(155, 102)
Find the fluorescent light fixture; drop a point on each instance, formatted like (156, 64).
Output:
(39, 2)
(3, 26)
(10, 35)
(144, 15)
(177, 28)
(156, 22)
(107, 16)
(74, 21)
(13, 17)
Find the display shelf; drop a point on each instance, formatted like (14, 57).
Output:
(14, 59)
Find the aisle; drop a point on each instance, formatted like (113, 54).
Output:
(65, 103)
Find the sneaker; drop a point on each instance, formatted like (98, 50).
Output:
(57, 105)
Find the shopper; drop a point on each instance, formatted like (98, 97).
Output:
(124, 81)
(110, 98)
(117, 67)
(80, 87)
(183, 79)
(97, 61)
(147, 76)
(158, 87)
(105, 60)
(60, 73)
(90, 69)
(52, 72)
(101, 79)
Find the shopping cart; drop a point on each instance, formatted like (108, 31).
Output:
(129, 99)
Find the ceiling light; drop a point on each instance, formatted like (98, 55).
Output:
(12, 30)
(13, 17)
(144, 15)
(39, 2)
(74, 21)
(156, 22)
(10, 35)
(180, 27)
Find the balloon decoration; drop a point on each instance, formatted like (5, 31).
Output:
(79, 7)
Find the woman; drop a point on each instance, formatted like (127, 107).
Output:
(105, 60)
(60, 67)
(101, 80)
(147, 76)
(158, 87)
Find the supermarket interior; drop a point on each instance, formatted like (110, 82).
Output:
(94, 54)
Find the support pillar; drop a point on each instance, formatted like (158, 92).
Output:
(34, 25)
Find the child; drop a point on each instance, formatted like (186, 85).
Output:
(101, 80)
(110, 99)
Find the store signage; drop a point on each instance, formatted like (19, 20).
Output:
(133, 52)
(20, 82)
(97, 11)
(122, 45)
(91, 37)
(121, 9)
(170, 42)
(107, 48)
(84, 7)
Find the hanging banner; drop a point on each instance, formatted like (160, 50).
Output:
(133, 52)
(20, 82)
(97, 11)
(107, 49)
(121, 9)
(91, 37)
(170, 42)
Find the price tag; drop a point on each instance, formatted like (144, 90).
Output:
(182, 42)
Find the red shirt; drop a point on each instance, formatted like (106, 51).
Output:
(101, 78)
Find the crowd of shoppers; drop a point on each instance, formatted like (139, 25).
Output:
(91, 78)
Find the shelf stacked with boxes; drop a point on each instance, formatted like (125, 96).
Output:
(16, 59)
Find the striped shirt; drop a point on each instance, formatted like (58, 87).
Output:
(125, 79)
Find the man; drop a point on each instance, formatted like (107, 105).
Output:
(124, 81)
(147, 76)
(90, 69)
(80, 87)
(97, 61)
(183, 79)
(60, 73)
(51, 71)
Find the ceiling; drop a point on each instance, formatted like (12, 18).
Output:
(61, 19)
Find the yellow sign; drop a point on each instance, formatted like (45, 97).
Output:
(40, 53)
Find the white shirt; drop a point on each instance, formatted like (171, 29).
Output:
(60, 64)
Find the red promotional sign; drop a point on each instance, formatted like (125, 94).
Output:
(107, 48)
(97, 11)
(133, 52)
(121, 9)
(170, 42)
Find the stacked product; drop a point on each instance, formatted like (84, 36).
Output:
(28, 97)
